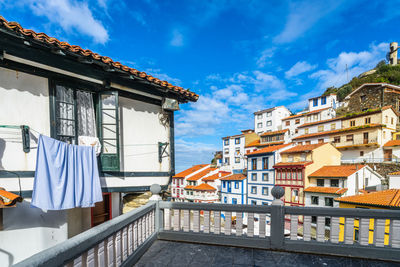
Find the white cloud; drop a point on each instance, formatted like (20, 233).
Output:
(163, 76)
(299, 68)
(349, 64)
(303, 16)
(190, 153)
(72, 16)
(177, 38)
(264, 56)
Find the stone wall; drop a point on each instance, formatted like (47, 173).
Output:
(373, 99)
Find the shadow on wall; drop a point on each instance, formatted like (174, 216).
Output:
(2, 149)
(10, 257)
(23, 82)
(24, 217)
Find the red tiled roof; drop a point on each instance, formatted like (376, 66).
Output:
(77, 50)
(394, 173)
(298, 163)
(274, 132)
(305, 114)
(387, 198)
(215, 176)
(302, 148)
(201, 174)
(355, 128)
(392, 143)
(326, 190)
(336, 171)
(234, 177)
(319, 122)
(189, 187)
(8, 199)
(204, 187)
(267, 149)
(253, 143)
(191, 170)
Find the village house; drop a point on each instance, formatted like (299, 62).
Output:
(391, 150)
(373, 96)
(307, 130)
(234, 149)
(178, 182)
(270, 119)
(65, 92)
(234, 189)
(321, 102)
(261, 174)
(297, 163)
(195, 180)
(330, 182)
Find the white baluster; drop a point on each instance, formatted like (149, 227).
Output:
(395, 233)
(206, 222)
(294, 221)
(167, 219)
(349, 231)
(90, 258)
(78, 262)
(335, 229)
(177, 220)
(139, 227)
(239, 223)
(143, 229)
(320, 229)
(379, 232)
(124, 243)
(186, 220)
(363, 232)
(99, 252)
(130, 239)
(217, 222)
(110, 255)
(228, 223)
(262, 225)
(196, 221)
(250, 224)
(117, 245)
(307, 228)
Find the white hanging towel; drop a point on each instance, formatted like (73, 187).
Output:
(90, 141)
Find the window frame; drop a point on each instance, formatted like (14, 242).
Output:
(265, 163)
(313, 202)
(265, 174)
(265, 191)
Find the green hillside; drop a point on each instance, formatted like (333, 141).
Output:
(382, 73)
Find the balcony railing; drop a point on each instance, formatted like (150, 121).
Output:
(370, 234)
(392, 159)
(366, 142)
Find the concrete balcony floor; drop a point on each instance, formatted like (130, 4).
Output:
(167, 253)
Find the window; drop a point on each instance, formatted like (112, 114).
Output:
(363, 98)
(368, 120)
(223, 184)
(265, 163)
(226, 142)
(290, 158)
(234, 201)
(269, 123)
(323, 100)
(237, 141)
(287, 123)
(227, 161)
(391, 120)
(314, 200)
(236, 185)
(225, 200)
(352, 123)
(297, 121)
(361, 153)
(320, 141)
(315, 117)
(265, 203)
(336, 139)
(269, 114)
(333, 126)
(306, 130)
(308, 142)
(320, 182)
(315, 102)
(295, 196)
(349, 137)
(254, 164)
(226, 151)
(304, 155)
(237, 160)
(265, 191)
(259, 116)
(254, 190)
(237, 151)
(366, 181)
(329, 202)
(259, 125)
(265, 177)
(296, 131)
(334, 182)
(253, 202)
(321, 128)
(386, 119)
(254, 176)
(174, 191)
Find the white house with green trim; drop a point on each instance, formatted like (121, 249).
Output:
(63, 91)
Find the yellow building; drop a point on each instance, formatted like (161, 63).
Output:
(387, 199)
(297, 163)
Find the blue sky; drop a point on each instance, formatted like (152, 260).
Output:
(239, 56)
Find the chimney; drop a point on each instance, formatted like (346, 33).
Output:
(393, 53)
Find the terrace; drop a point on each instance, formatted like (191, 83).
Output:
(161, 233)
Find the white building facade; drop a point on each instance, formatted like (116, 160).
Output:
(234, 189)
(233, 152)
(268, 120)
(321, 102)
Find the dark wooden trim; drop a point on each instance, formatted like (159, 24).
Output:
(172, 143)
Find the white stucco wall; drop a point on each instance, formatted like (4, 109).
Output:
(394, 181)
(274, 115)
(231, 148)
(321, 202)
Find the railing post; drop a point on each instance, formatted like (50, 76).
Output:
(155, 189)
(277, 219)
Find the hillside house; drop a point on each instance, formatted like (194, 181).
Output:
(195, 180)
(321, 102)
(269, 120)
(63, 91)
(297, 163)
(234, 189)
(178, 182)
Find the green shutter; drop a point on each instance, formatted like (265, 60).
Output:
(109, 130)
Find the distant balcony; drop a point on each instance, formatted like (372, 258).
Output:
(123, 240)
(371, 142)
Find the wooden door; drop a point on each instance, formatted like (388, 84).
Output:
(101, 212)
(365, 138)
(387, 154)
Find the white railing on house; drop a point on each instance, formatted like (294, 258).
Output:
(371, 160)
(370, 234)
